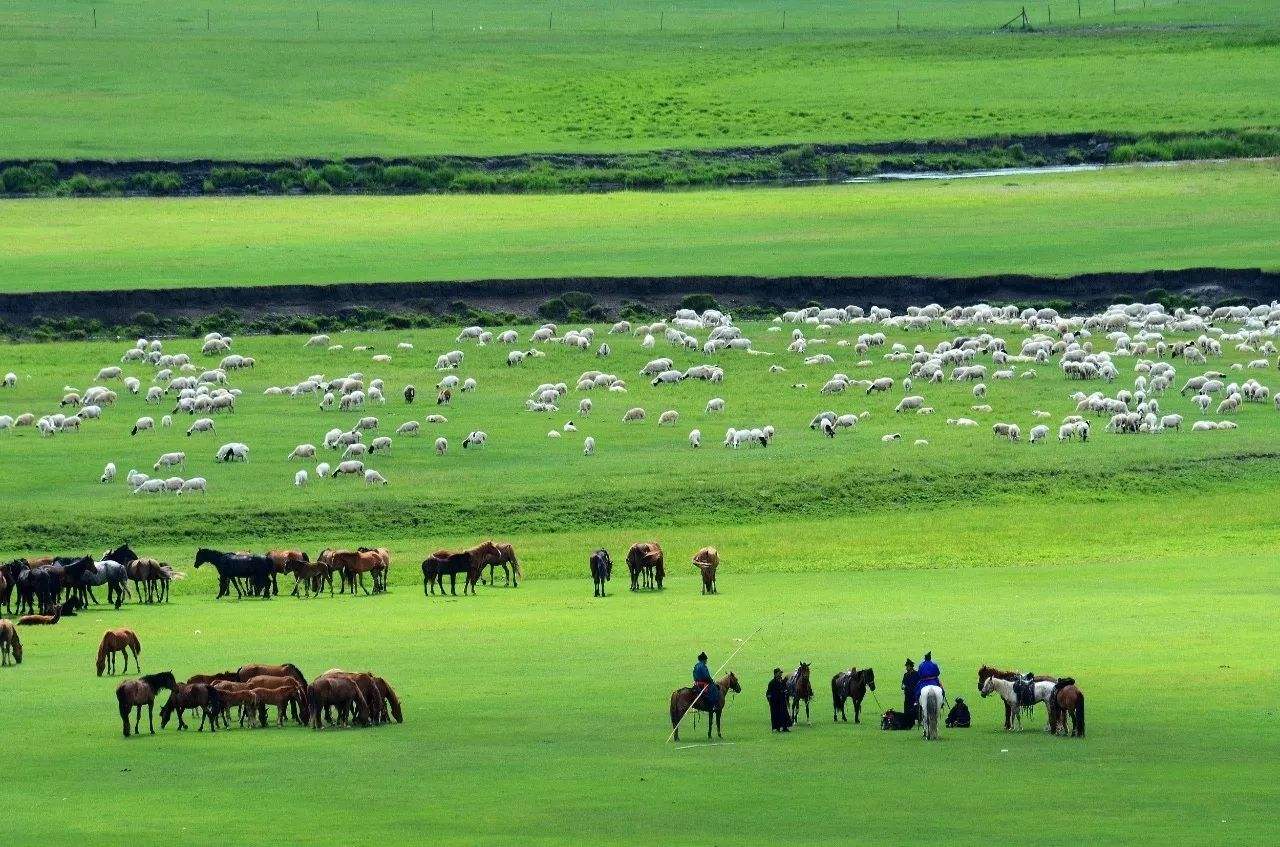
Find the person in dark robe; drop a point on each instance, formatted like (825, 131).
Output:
(703, 682)
(959, 717)
(910, 683)
(776, 694)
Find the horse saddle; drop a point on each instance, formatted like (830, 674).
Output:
(1025, 690)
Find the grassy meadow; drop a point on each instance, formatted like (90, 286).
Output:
(262, 79)
(1118, 219)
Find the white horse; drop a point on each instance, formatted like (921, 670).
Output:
(931, 700)
(1042, 691)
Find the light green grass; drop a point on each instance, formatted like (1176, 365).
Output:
(150, 81)
(1121, 219)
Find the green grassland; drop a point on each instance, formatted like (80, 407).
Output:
(538, 715)
(256, 80)
(1119, 219)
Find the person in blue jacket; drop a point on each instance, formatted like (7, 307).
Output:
(930, 674)
(702, 681)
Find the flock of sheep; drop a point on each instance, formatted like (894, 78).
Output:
(1095, 350)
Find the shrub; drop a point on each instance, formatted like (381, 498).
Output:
(578, 299)
(699, 302)
(554, 309)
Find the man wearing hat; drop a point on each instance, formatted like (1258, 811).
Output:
(776, 694)
(910, 697)
(929, 674)
(702, 682)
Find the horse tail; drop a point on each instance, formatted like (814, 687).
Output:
(124, 710)
(134, 642)
(1079, 715)
(835, 692)
(515, 563)
(931, 712)
(101, 664)
(393, 701)
(675, 711)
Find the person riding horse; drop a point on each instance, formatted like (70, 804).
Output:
(703, 685)
(929, 674)
(910, 685)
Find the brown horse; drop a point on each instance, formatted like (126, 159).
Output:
(118, 641)
(442, 562)
(283, 560)
(192, 696)
(369, 690)
(497, 554)
(799, 688)
(852, 684)
(10, 644)
(288, 669)
(354, 564)
(285, 693)
(136, 693)
(210, 678)
(151, 579)
(987, 671)
(391, 703)
(707, 560)
(684, 700)
(340, 693)
(1067, 699)
(380, 576)
(237, 694)
(42, 620)
(645, 559)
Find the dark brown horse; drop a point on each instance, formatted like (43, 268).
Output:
(342, 694)
(1067, 699)
(288, 669)
(283, 560)
(987, 671)
(645, 559)
(10, 644)
(136, 693)
(684, 700)
(442, 562)
(192, 696)
(707, 560)
(799, 688)
(120, 641)
(852, 684)
(369, 690)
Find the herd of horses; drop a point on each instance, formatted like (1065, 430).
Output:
(1061, 695)
(647, 566)
(334, 698)
(471, 564)
(55, 586)
(254, 575)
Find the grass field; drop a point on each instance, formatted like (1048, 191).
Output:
(1116, 220)
(539, 714)
(256, 80)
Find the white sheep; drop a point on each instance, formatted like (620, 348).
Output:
(715, 404)
(234, 451)
(477, 438)
(355, 449)
(588, 446)
(668, 417)
(108, 473)
(584, 406)
(695, 438)
(1038, 433)
(10, 379)
(555, 433)
(196, 483)
(169, 460)
(166, 421)
(351, 467)
(636, 414)
(303, 451)
(442, 445)
(300, 478)
(322, 470)
(201, 425)
(408, 428)
(913, 402)
(372, 477)
(892, 436)
(142, 425)
(920, 442)
(381, 444)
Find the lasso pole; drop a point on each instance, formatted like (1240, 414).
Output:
(723, 665)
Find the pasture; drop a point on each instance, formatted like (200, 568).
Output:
(1118, 219)
(1140, 563)
(266, 80)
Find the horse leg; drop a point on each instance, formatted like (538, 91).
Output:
(137, 723)
(151, 717)
(806, 713)
(857, 710)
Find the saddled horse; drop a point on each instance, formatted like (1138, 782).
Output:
(684, 700)
(1066, 699)
(986, 672)
(120, 641)
(136, 693)
(852, 684)
(496, 554)
(799, 688)
(601, 570)
(233, 566)
(707, 560)
(931, 700)
(440, 563)
(1039, 690)
(645, 559)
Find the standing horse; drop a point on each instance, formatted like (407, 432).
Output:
(151, 579)
(10, 644)
(706, 561)
(498, 555)
(986, 671)
(442, 562)
(380, 574)
(197, 695)
(645, 559)
(931, 700)
(231, 566)
(683, 700)
(1040, 691)
(110, 573)
(136, 693)
(118, 641)
(1066, 699)
(601, 570)
(852, 684)
(799, 688)
(285, 561)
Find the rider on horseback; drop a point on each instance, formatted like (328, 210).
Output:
(703, 685)
(929, 674)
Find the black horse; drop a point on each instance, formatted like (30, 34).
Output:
(852, 684)
(259, 570)
(437, 565)
(601, 570)
(10, 571)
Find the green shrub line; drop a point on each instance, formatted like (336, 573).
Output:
(535, 174)
(571, 307)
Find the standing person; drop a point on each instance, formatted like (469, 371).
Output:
(776, 694)
(702, 682)
(910, 695)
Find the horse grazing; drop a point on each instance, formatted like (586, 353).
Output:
(237, 694)
(369, 690)
(601, 570)
(931, 700)
(1066, 699)
(391, 702)
(799, 688)
(1015, 703)
(645, 559)
(986, 672)
(442, 562)
(136, 693)
(337, 692)
(497, 554)
(259, 570)
(685, 699)
(706, 561)
(10, 644)
(118, 641)
(288, 670)
(284, 693)
(192, 695)
(852, 684)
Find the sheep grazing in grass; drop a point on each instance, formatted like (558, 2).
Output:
(1006, 430)
(322, 470)
(555, 433)
(636, 414)
(715, 404)
(584, 406)
(303, 451)
(108, 473)
(981, 408)
(351, 467)
(442, 446)
(355, 449)
(478, 438)
(201, 425)
(10, 379)
(166, 421)
(372, 477)
(1038, 433)
(196, 483)
(235, 451)
(921, 442)
(143, 425)
(695, 438)
(912, 402)
(980, 391)
(169, 460)
(588, 446)
(300, 478)
(884, 383)
(668, 417)
(381, 444)
(892, 436)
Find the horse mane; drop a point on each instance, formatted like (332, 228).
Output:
(292, 667)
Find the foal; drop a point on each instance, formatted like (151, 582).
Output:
(118, 641)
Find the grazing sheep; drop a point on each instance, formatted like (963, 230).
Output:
(636, 414)
(477, 438)
(1038, 433)
(348, 468)
(436, 419)
(356, 449)
(913, 402)
(920, 442)
(980, 391)
(442, 445)
(201, 425)
(982, 408)
(380, 444)
(149, 486)
(196, 483)
(169, 460)
(142, 425)
(555, 433)
(588, 446)
(372, 477)
(569, 427)
(108, 473)
(408, 428)
(322, 470)
(1203, 426)
(884, 383)
(668, 417)
(234, 451)
(166, 421)
(10, 379)
(695, 438)
(300, 478)
(303, 451)
(584, 406)
(892, 436)
(1006, 430)
(715, 404)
